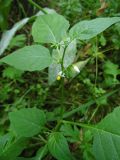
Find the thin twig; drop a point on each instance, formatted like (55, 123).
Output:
(37, 6)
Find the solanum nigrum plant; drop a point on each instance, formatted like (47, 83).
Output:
(55, 46)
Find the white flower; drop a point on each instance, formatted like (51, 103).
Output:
(61, 74)
(76, 68)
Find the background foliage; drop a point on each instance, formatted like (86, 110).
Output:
(31, 104)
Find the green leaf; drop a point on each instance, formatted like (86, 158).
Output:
(90, 28)
(9, 34)
(69, 58)
(53, 70)
(11, 147)
(70, 54)
(106, 146)
(41, 152)
(27, 122)
(58, 147)
(106, 143)
(17, 41)
(111, 69)
(55, 67)
(12, 73)
(49, 28)
(29, 58)
(72, 133)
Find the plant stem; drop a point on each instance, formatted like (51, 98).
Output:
(37, 6)
(88, 104)
(78, 124)
(96, 72)
(62, 84)
(62, 92)
(108, 50)
(62, 95)
(34, 145)
(58, 125)
(93, 114)
(22, 8)
(21, 98)
(42, 138)
(96, 65)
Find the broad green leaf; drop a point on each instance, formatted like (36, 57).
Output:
(41, 152)
(8, 35)
(112, 118)
(90, 28)
(27, 122)
(106, 143)
(29, 58)
(70, 54)
(55, 67)
(53, 71)
(58, 147)
(11, 147)
(69, 58)
(106, 146)
(49, 28)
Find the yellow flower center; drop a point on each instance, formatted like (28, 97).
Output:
(58, 77)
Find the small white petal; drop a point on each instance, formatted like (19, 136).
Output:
(61, 74)
(76, 69)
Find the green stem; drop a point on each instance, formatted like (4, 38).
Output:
(93, 114)
(90, 127)
(108, 50)
(58, 125)
(21, 98)
(78, 124)
(37, 6)
(34, 145)
(96, 72)
(62, 84)
(62, 95)
(96, 61)
(88, 104)
(22, 8)
(42, 138)
(62, 92)
(62, 62)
